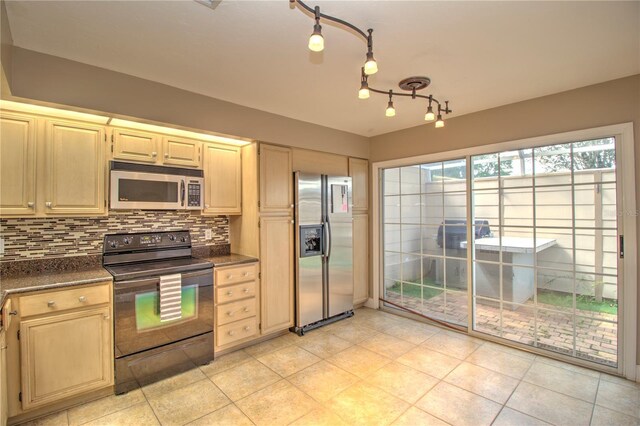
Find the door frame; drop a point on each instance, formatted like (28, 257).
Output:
(627, 226)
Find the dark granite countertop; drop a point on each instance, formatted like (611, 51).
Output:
(27, 276)
(229, 259)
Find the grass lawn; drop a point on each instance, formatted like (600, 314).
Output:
(583, 302)
(415, 290)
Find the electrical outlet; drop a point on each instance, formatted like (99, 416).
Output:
(1, 246)
(207, 234)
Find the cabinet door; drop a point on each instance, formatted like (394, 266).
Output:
(360, 258)
(75, 168)
(64, 355)
(359, 172)
(276, 179)
(276, 270)
(222, 179)
(133, 145)
(17, 164)
(181, 152)
(4, 406)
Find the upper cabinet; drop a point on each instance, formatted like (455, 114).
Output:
(181, 151)
(359, 172)
(276, 179)
(223, 179)
(17, 164)
(132, 145)
(74, 168)
(154, 148)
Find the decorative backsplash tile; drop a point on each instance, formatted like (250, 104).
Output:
(30, 238)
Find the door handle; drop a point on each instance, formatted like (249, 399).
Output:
(182, 192)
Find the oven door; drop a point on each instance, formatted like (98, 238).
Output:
(149, 191)
(137, 315)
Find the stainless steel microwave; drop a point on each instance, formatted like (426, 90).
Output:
(147, 187)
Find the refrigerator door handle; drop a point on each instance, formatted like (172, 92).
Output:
(329, 242)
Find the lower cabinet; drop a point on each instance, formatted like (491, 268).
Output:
(276, 253)
(4, 406)
(360, 258)
(236, 305)
(64, 355)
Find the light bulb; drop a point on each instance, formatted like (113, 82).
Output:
(439, 122)
(370, 66)
(363, 93)
(316, 41)
(391, 111)
(429, 116)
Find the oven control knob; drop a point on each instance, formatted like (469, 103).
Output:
(126, 240)
(113, 244)
(183, 239)
(172, 237)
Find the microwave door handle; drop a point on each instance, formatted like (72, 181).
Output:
(182, 192)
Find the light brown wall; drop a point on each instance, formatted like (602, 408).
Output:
(56, 80)
(612, 102)
(6, 42)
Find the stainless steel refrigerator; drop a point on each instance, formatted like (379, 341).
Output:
(324, 250)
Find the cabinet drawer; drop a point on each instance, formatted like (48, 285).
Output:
(233, 332)
(235, 311)
(62, 300)
(235, 275)
(235, 292)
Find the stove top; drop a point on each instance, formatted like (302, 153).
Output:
(149, 254)
(157, 268)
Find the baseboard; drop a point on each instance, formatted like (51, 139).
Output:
(370, 303)
(637, 373)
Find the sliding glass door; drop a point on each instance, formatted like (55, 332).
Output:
(538, 243)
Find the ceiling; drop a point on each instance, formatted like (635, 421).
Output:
(478, 54)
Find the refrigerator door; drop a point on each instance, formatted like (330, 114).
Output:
(340, 245)
(309, 248)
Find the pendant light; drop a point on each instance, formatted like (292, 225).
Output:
(316, 41)
(391, 111)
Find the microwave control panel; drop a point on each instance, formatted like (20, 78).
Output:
(194, 195)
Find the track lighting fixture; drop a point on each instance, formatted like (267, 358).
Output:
(411, 84)
(391, 111)
(316, 41)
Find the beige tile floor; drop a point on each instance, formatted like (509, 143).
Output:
(373, 369)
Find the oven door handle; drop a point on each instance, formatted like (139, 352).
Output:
(182, 192)
(127, 285)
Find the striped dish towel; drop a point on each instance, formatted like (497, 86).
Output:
(170, 297)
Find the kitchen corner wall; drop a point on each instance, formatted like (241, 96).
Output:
(31, 238)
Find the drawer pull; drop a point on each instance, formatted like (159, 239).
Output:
(246, 328)
(246, 290)
(229, 293)
(231, 333)
(51, 303)
(82, 299)
(105, 316)
(13, 312)
(230, 313)
(246, 274)
(229, 276)
(245, 309)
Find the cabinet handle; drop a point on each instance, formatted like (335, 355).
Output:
(292, 221)
(51, 303)
(48, 204)
(166, 155)
(82, 299)
(246, 290)
(246, 309)
(229, 276)
(206, 206)
(30, 204)
(245, 274)
(13, 312)
(154, 154)
(292, 205)
(246, 328)
(106, 316)
(230, 313)
(229, 293)
(231, 333)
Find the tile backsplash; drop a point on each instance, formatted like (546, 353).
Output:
(31, 238)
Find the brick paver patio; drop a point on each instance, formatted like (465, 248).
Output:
(595, 332)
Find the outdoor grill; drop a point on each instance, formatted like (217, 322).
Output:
(456, 232)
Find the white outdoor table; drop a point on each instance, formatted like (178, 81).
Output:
(520, 287)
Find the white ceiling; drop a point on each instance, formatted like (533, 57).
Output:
(478, 54)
